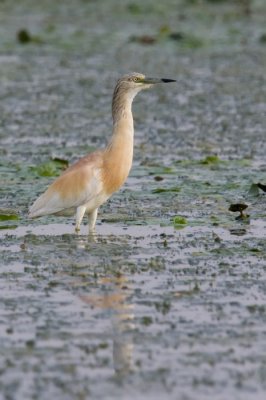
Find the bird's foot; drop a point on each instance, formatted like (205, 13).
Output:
(92, 236)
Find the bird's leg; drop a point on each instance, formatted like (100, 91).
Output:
(92, 220)
(80, 214)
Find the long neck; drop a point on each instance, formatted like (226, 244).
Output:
(119, 152)
(121, 142)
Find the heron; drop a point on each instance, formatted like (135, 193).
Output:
(87, 184)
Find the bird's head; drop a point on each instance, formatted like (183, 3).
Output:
(128, 86)
(136, 82)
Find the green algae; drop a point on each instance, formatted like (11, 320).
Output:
(51, 168)
(8, 216)
(179, 221)
(210, 160)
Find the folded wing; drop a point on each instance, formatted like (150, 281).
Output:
(75, 187)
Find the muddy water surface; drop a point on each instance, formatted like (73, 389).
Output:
(168, 301)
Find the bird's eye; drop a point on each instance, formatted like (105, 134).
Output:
(135, 79)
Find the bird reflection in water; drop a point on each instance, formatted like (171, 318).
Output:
(122, 320)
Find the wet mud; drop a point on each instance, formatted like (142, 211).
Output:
(168, 299)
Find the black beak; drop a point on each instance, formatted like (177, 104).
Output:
(156, 80)
(168, 80)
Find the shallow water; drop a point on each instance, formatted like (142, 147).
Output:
(147, 308)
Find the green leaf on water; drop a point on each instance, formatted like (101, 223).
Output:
(134, 8)
(179, 221)
(6, 217)
(210, 160)
(192, 42)
(174, 189)
(25, 37)
(51, 168)
(254, 190)
(146, 320)
(7, 214)
(2, 227)
(61, 161)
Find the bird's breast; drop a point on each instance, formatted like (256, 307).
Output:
(115, 171)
